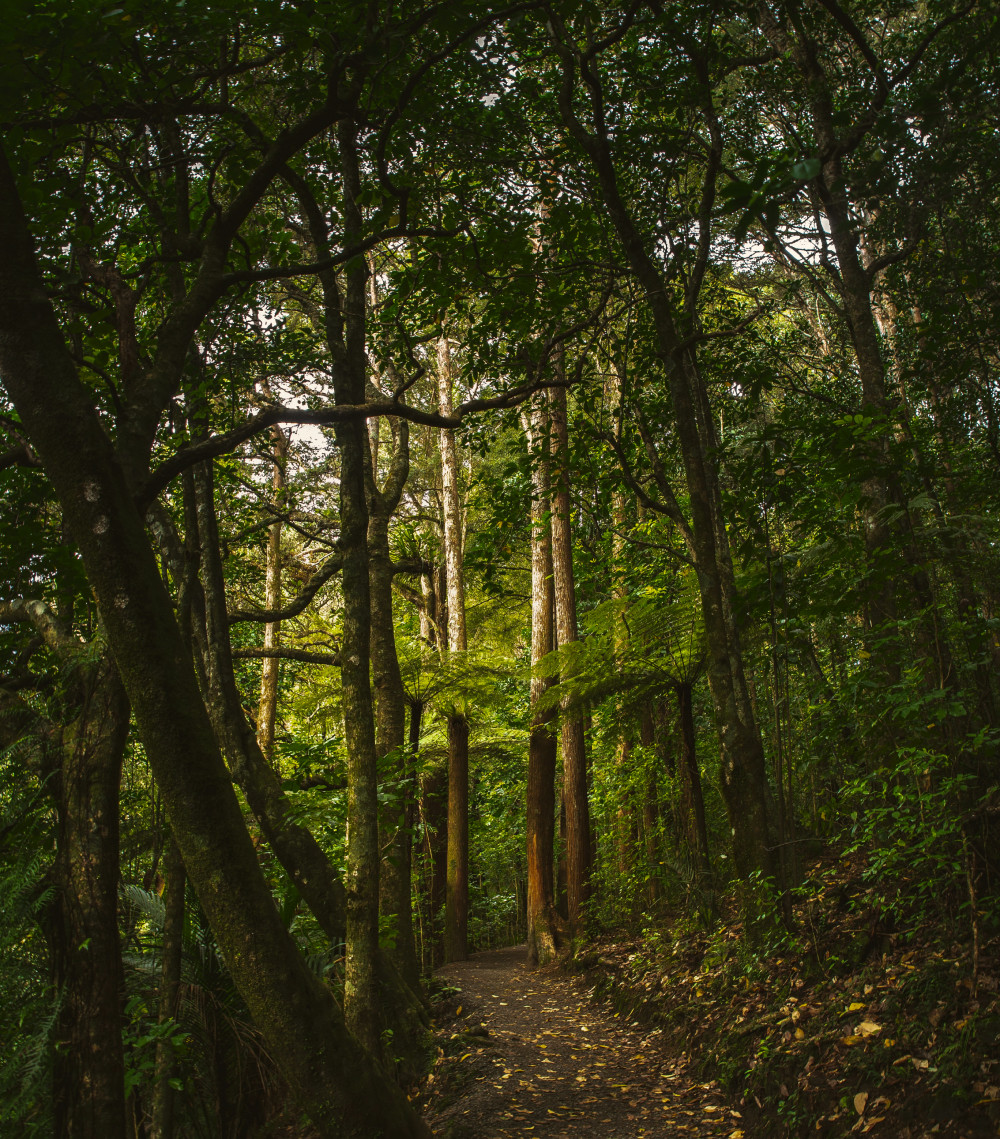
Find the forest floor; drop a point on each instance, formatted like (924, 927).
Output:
(529, 1053)
(846, 1026)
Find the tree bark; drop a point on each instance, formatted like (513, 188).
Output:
(164, 1096)
(574, 754)
(88, 1066)
(650, 806)
(456, 913)
(390, 713)
(543, 933)
(692, 800)
(333, 1079)
(456, 903)
(619, 591)
(434, 817)
(271, 666)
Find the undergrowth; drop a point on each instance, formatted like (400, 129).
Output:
(856, 1020)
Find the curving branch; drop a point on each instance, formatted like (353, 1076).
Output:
(21, 610)
(306, 656)
(20, 455)
(305, 595)
(191, 454)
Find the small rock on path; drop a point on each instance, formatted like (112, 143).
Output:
(561, 1065)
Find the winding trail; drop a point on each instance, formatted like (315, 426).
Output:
(556, 1064)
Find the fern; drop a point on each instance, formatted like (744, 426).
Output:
(641, 643)
(29, 1008)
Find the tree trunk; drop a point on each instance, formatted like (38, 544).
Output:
(400, 1006)
(88, 1067)
(294, 846)
(692, 800)
(456, 905)
(271, 666)
(434, 817)
(333, 1079)
(390, 714)
(613, 397)
(346, 337)
(574, 755)
(743, 769)
(456, 915)
(650, 806)
(543, 940)
(428, 611)
(164, 1096)
(405, 838)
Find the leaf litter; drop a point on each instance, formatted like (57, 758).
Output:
(555, 1064)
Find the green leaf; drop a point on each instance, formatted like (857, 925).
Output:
(806, 169)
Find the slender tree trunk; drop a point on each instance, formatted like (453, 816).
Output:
(456, 919)
(406, 831)
(346, 336)
(433, 795)
(456, 906)
(692, 800)
(390, 714)
(164, 1096)
(574, 754)
(434, 816)
(650, 805)
(543, 941)
(619, 591)
(88, 1068)
(271, 666)
(333, 1079)
(428, 611)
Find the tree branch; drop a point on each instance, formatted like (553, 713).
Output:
(304, 656)
(32, 612)
(305, 595)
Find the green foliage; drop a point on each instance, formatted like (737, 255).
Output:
(222, 1065)
(28, 1005)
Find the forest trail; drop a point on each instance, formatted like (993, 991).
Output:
(555, 1064)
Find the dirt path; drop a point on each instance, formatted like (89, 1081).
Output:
(554, 1064)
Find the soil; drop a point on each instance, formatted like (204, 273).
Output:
(527, 1053)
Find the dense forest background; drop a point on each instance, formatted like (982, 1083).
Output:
(476, 474)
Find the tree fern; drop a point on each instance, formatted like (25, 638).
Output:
(641, 643)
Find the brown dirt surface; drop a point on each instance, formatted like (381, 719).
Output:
(528, 1053)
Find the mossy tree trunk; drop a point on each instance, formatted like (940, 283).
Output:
(543, 923)
(390, 711)
(574, 752)
(88, 1071)
(164, 1095)
(456, 908)
(83, 761)
(267, 709)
